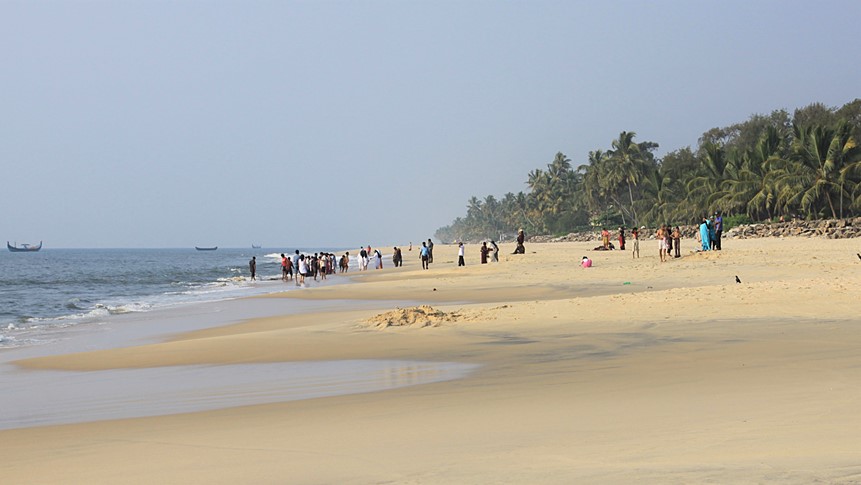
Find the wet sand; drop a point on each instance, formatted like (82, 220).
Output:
(632, 370)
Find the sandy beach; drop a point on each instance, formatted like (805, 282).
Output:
(630, 371)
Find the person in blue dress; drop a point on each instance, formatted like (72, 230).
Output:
(704, 234)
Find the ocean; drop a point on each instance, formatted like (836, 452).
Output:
(44, 292)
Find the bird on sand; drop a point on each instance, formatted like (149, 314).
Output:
(737, 280)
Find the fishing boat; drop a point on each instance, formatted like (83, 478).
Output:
(256, 246)
(206, 249)
(23, 248)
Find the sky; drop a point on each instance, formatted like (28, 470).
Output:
(341, 123)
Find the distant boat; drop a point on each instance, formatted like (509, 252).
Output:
(206, 249)
(256, 246)
(23, 248)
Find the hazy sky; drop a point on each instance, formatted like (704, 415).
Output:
(174, 124)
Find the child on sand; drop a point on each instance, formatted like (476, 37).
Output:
(586, 262)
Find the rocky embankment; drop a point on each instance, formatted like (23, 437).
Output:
(828, 228)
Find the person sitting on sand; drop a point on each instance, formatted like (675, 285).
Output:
(521, 238)
(586, 262)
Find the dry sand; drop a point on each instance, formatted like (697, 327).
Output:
(630, 371)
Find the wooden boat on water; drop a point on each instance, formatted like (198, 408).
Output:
(256, 246)
(206, 249)
(23, 248)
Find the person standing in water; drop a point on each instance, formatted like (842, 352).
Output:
(252, 265)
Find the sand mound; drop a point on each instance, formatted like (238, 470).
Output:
(419, 316)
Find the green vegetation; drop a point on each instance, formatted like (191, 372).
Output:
(807, 165)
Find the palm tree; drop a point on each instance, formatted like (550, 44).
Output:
(627, 167)
(811, 180)
(752, 188)
(660, 198)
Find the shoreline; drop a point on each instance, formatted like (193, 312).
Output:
(680, 375)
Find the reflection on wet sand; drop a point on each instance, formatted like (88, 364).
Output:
(40, 398)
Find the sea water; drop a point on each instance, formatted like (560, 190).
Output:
(42, 292)
(73, 300)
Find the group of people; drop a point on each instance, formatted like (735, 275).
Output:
(298, 266)
(669, 239)
(711, 230)
(426, 253)
(365, 256)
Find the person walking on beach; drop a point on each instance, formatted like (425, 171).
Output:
(424, 255)
(378, 259)
(430, 251)
(484, 253)
(605, 238)
(635, 233)
(397, 257)
(252, 265)
(283, 267)
(621, 239)
(494, 251)
(460, 261)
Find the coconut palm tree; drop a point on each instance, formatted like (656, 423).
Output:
(751, 189)
(628, 167)
(811, 178)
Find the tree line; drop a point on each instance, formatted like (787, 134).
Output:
(805, 165)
